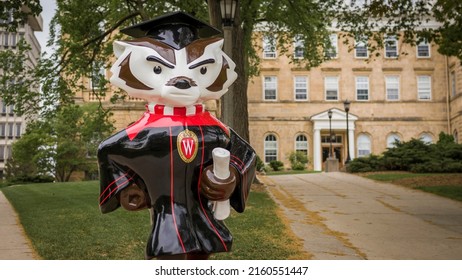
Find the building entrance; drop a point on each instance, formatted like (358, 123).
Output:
(337, 152)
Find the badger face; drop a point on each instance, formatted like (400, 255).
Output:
(154, 71)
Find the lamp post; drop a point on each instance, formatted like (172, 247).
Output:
(329, 113)
(228, 12)
(346, 105)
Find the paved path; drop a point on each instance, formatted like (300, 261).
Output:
(13, 242)
(343, 216)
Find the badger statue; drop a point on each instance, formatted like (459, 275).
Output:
(164, 161)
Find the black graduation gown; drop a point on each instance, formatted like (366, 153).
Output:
(159, 154)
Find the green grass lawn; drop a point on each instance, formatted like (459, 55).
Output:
(63, 221)
(447, 185)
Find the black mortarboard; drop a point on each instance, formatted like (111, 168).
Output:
(176, 29)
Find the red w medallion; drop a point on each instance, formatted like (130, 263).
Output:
(187, 145)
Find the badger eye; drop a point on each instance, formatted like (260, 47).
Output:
(157, 69)
(203, 70)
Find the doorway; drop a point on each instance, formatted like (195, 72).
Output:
(337, 152)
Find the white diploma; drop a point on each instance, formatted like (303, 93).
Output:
(221, 157)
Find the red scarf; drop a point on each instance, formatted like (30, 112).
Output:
(158, 115)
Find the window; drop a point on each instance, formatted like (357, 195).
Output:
(269, 47)
(391, 47)
(362, 88)
(271, 148)
(18, 130)
(2, 130)
(426, 138)
(11, 110)
(453, 83)
(97, 76)
(10, 130)
(298, 47)
(2, 153)
(334, 139)
(332, 50)
(361, 48)
(301, 144)
(424, 87)
(392, 87)
(301, 88)
(331, 88)
(9, 152)
(392, 139)
(13, 40)
(423, 49)
(270, 87)
(359, 3)
(364, 145)
(6, 39)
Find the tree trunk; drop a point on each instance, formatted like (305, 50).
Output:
(240, 114)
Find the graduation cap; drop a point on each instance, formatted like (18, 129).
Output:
(177, 29)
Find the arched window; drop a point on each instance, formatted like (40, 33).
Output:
(456, 136)
(271, 148)
(426, 138)
(364, 145)
(301, 144)
(391, 140)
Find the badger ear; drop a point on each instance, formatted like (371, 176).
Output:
(119, 47)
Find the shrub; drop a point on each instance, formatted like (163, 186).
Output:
(365, 164)
(298, 160)
(276, 165)
(260, 164)
(415, 156)
(28, 179)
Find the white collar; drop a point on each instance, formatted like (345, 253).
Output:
(160, 109)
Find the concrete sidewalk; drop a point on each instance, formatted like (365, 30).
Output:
(14, 245)
(344, 216)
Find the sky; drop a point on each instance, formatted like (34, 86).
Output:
(49, 7)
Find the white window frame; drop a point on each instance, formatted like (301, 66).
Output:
(270, 144)
(300, 85)
(391, 45)
(269, 47)
(392, 85)
(301, 144)
(361, 44)
(298, 43)
(332, 85)
(391, 138)
(334, 47)
(364, 145)
(362, 83)
(423, 44)
(270, 85)
(424, 87)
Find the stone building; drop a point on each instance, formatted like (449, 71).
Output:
(392, 97)
(12, 125)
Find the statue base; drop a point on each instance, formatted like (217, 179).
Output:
(332, 165)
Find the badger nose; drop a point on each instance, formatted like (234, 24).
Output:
(182, 84)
